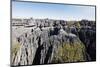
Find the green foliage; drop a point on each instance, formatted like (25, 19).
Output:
(77, 25)
(15, 48)
(70, 53)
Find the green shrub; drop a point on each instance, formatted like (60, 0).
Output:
(70, 53)
(15, 48)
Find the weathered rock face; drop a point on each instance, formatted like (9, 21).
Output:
(41, 47)
(88, 37)
(55, 43)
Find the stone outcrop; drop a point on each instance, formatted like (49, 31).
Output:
(88, 37)
(41, 47)
(55, 43)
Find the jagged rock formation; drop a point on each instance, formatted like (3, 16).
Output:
(40, 47)
(57, 43)
(88, 37)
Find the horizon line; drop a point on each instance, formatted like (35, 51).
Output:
(52, 19)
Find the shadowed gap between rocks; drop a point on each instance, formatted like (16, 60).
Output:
(48, 55)
(38, 53)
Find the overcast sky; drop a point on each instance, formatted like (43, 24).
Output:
(52, 11)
